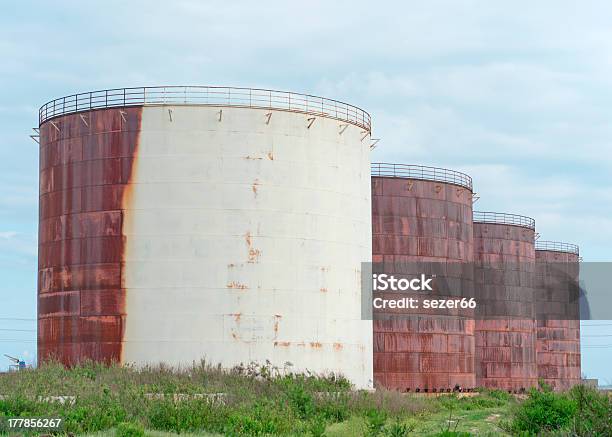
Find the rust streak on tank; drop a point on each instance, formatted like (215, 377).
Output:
(255, 186)
(85, 174)
(253, 254)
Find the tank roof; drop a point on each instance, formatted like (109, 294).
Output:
(421, 172)
(504, 219)
(557, 246)
(205, 96)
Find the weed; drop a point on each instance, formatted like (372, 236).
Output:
(375, 422)
(398, 429)
(317, 427)
(129, 429)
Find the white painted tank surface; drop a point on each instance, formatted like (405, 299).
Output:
(244, 231)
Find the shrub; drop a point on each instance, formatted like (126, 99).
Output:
(129, 429)
(375, 422)
(186, 415)
(301, 401)
(543, 410)
(261, 418)
(593, 412)
(398, 429)
(317, 427)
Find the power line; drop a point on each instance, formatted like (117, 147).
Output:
(15, 340)
(17, 319)
(18, 330)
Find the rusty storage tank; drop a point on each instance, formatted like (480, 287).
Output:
(558, 313)
(504, 264)
(423, 214)
(188, 223)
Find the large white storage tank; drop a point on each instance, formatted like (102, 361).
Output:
(245, 218)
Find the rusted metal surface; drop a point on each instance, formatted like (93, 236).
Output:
(504, 264)
(85, 165)
(558, 340)
(423, 220)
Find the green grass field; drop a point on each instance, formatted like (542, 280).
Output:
(263, 401)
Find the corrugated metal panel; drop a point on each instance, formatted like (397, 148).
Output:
(504, 260)
(417, 220)
(85, 164)
(558, 341)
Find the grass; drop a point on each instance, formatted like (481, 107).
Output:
(257, 400)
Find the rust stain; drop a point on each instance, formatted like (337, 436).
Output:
(237, 285)
(282, 343)
(338, 346)
(315, 345)
(237, 316)
(271, 156)
(255, 186)
(323, 290)
(253, 254)
(85, 173)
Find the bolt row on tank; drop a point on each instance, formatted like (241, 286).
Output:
(230, 224)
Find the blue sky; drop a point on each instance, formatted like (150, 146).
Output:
(516, 94)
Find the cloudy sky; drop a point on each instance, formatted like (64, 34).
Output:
(517, 94)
